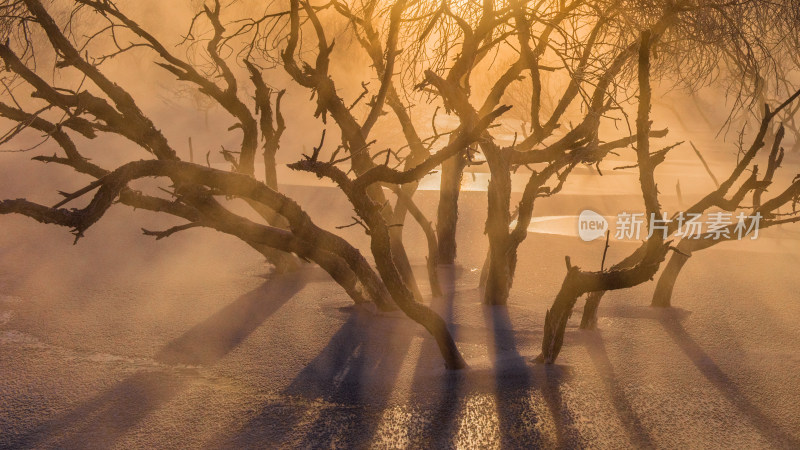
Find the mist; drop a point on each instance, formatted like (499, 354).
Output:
(403, 283)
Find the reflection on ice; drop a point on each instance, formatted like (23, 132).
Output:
(557, 225)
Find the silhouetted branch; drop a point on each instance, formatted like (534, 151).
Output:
(169, 232)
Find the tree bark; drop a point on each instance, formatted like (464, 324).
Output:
(577, 282)
(405, 204)
(417, 312)
(401, 260)
(502, 251)
(281, 261)
(589, 318)
(447, 217)
(500, 275)
(662, 297)
(487, 263)
(555, 320)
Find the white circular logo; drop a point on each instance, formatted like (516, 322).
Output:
(591, 225)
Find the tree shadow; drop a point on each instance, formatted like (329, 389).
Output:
(102, 420)
(348, 391)
(634, 428)
(513, 384)
(765, 425)
(210, 340)
(447, 398)
(345, 392)
(516, 381)
(354, 374)
(671, 320)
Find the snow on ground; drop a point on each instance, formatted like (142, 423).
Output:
(125, 342)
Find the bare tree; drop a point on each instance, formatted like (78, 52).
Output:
(723, 198)
(755, 62)
(760, 214)
(198, 192)
(578, 282)
(434, 54)
(555, 30)
(643, 264)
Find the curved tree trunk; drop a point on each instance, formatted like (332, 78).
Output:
(401, 258)
(343, 262)
(381, 246)
(341, 273)
(447, 216)
(578, 282)
(406, 204)
(402, 295)
(662, 297)
(589, 317)
(283, 262)
(417, 312)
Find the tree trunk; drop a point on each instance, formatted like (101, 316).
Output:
(436, 326)
(447, 217)
(283, 262)
(401, 260)
(405, 204)
(577, 283)
(589, 318)
(502, 251)
(662, 297)
(555, 321)
(338, 270)
(487, 263)
(500, 275)
(646, 181)
(270, 169)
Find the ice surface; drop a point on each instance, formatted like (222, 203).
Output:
(184, 343)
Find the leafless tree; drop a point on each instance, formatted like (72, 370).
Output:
(101, 106)
(755, 63)
(578, 282)
(743, 181)
(642, 265)
(428, 53)
(763, 214)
